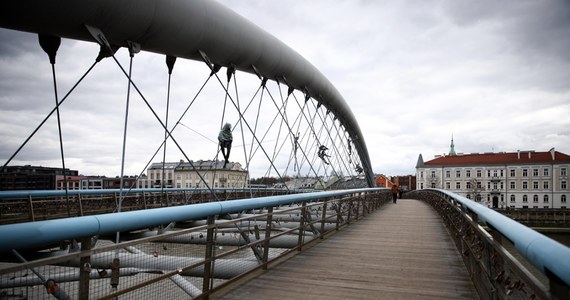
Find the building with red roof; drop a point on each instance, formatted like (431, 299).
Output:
(522, 179)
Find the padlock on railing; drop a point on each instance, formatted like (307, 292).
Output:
(87, 268)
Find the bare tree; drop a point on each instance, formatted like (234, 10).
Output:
(474, 189)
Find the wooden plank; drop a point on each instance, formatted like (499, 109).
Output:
(402, 251)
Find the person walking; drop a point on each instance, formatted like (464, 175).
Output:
(394, 193)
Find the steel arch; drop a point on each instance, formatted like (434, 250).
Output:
(184, 28)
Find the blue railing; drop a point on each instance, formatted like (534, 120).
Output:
(32, 234)
(199, 257)
(544, 253)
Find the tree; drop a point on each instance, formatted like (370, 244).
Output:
(474, 189)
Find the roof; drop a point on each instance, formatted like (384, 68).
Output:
(502, 158)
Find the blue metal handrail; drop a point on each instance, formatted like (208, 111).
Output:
(544, 253)
(33, 234)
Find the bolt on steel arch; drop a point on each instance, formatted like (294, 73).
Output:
(291, 121)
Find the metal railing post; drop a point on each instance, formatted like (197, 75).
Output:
(208, 257)
(350, 204)
(31, 208)
(302, 226)
(323, 219)
(358, 209)
(267, 236)
(338, 215)
(80, 205)
(84, 269)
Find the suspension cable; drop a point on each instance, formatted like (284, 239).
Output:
(170, 60)
(251, 151)
(169, 135)
(50, 45)
(289, 127)
(132, 51)
(249, 128)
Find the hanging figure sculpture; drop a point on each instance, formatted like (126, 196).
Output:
(225, 138)
(296, 146)
(323, 154)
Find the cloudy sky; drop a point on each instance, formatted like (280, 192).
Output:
(495, 74)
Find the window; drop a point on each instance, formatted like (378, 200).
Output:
(422, 174)
(545, 199)
(546, 172)
(562, 171)
(478, 184)
(546, 185)
(433, 185)
(494, 173)
(563, 199)
(502, 185)
(525, 198)
(478, 173)
(501, 173)
(448, 185)
(535, 199)
(512, 198)
(525, 185)
(525, 172)
(535, 185)
(535, 172)
(421, 185)
(468, 173)
(468, 185)
(563, 185)
(447, 174)
(432, 174)
(513, 173)
(513, 185)
(458, 173)
(546, 206)
(458, 185)
(488, 185)
(488, 173)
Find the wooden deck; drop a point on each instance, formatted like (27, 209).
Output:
(402, 251)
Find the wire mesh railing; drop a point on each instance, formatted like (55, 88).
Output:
(188, 259)
(506, 260)
(29, 206)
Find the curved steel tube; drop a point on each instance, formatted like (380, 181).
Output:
(182, 28)
(543, 252)
(32, 234)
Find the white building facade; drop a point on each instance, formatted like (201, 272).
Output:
(522, 179)
(196, 174)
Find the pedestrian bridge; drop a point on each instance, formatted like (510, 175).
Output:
(350, 243)
(289, 121)
(402, 251)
